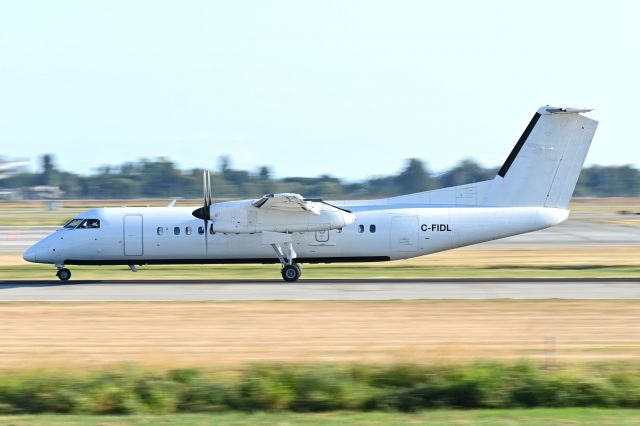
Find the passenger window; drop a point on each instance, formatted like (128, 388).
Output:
(372, 228)
(176, 230)
(361, 228)
(160, 230)
(201, 230)
(187, 230)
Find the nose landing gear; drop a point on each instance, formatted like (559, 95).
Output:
(63, 274)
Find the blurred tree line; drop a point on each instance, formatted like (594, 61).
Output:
(160, 178)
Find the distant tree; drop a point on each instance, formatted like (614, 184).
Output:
(414, 178)
(264, 185)
(264, 173)
(467, 171)
(49, 174)
(160, 178)
(609, 181)
(225, 164)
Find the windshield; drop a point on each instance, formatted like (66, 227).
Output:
(90, 223)
(83, 224)
(73, 223)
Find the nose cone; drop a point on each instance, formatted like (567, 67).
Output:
(30, 255)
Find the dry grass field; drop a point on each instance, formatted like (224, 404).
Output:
(233, 333)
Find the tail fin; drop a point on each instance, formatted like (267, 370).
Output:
(543, 167)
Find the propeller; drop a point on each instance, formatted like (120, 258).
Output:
(204, 212)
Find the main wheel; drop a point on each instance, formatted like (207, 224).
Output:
(291, 273)
(64, 274)
(299, 268)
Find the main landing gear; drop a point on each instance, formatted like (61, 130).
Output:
(63, 274)
(290, 271)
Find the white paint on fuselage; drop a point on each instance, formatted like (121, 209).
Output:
(400, 232)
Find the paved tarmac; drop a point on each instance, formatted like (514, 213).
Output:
(383, 289)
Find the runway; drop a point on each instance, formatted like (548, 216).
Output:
(383, 289)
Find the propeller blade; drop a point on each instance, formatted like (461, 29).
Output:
(206, 236)
(209, 190)
(209, 202)
(204, 212)
(204, 187)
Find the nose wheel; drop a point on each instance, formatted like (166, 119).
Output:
(63, 274)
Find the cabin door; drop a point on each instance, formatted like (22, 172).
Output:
(132, 228)
(404, 233)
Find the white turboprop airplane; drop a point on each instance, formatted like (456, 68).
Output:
(530, 192)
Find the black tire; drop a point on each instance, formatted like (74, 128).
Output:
(63, 274)
(299, 267)
(291, 273)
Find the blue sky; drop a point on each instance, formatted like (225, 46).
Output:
(347, 88)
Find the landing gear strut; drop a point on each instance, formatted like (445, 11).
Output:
(63, 274)
(290, 271)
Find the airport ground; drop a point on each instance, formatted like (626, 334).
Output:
(599, 242)
(233, 334)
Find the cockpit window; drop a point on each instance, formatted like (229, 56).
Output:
(73, 223)
(90, 224)
(83, 224)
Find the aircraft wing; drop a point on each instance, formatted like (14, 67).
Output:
(286, 202)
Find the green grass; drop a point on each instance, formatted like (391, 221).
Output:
(319, 388)
(535, 417)
(386, 270)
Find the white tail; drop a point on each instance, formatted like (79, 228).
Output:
(541, 171)
(544, 166)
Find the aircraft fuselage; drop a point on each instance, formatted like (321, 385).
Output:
(165, 235)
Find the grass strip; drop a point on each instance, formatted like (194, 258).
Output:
(522, 417)
(320, 388)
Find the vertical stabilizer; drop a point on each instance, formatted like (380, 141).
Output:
(544, 166)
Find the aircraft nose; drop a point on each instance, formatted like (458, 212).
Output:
(30, 255)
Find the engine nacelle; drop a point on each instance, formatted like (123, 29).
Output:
(243, 217)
